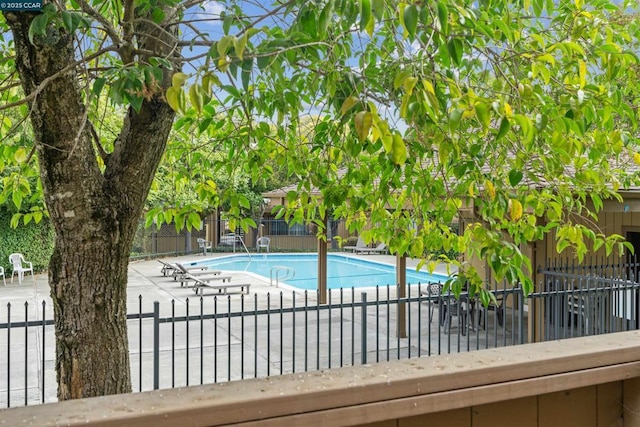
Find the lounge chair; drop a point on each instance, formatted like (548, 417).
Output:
(381, 248)
(167, 268)
(181, 270)
(359, 245)
(200, 283)
(19, 267)
(203, 276)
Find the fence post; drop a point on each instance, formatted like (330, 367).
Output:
(156, 345)
(363, 338)
(521, 300)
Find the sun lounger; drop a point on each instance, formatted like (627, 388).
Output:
(167, 268)
(359, 245)
(380, 249)
(201, 283)
(204, 276)
(182, 269)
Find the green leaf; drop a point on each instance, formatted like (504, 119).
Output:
(610, 48)
(208, 81)
(135, 101)
(38, 26)
(98, 84)
(363, 122)
(16, 197)
(484, 115)
(377, 7)
(455, 50)
(348, 103)
(325, 18)
(398, 150)
(20, 155)
(243, 201)
(193, 221)
(223, 45)
(409, 84)
(504, 128)
(515, 176)
(178, 79)
(411, 16)
(195, 96)
(247, 66)
(400, 78)
(157, 15)
(239, 45)
(365, 14)
(67, 20)
(443, 17)
(308, 21)
(454, 118)
(15, 219)
(172, 96)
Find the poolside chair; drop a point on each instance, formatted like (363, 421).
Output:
(2, 274)
(433, 297)
(263, 242)
(204, 245)
(456, 307)
(381, 248)
(182, 270)
(19, 266)
(200, 283)
(167, 268)
(204, 276)
(359, 245)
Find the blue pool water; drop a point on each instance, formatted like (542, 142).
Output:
(342, 271)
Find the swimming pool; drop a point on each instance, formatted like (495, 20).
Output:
(342, 271)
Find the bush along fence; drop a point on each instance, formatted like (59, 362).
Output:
(225, 338)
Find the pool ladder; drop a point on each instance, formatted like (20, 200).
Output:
(276, 271)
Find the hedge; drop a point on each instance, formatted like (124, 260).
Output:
(34, 241)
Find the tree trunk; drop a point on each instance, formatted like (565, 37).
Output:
(94, 208)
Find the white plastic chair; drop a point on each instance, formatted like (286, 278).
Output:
(204, 245)
(18, 264)
(263, 242)
(2, 274)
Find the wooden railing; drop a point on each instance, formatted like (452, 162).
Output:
(591, 381)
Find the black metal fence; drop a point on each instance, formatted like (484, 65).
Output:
(594, 297)
(224, 338)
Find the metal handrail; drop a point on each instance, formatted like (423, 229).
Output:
(290, 273)
(245, 248)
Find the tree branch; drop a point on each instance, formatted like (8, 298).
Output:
(265, 16)
(106, 26)
(49, 79)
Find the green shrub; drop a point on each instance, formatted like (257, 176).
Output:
(34, 241)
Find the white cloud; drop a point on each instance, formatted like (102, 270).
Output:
(210, 9)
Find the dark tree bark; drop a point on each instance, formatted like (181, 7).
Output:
(94, 209)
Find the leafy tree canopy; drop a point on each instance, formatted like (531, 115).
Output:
(407, 111)
(519, 115)
(519, 108)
